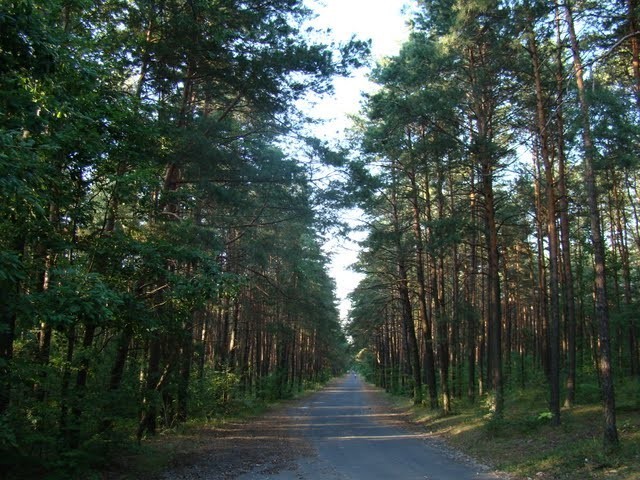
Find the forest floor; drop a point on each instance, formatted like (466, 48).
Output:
(526, 446)
(283, 441)
(223, 450)
(523, 445)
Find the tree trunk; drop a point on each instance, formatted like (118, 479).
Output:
(563, 207)
(150, 403)
(632, 6)
(442, 332)
(440, 312)
(407, 312)
(601, 302)
(186, 359)
(471, 293)
(424, 314)
(554, 276)
(81, 384)
(479, 71)
(65, 429)
(9, 293)
(494, 300)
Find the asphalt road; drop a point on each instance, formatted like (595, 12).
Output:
(354, 438)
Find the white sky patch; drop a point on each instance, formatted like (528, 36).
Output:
(383, 22)
(380, 21)
(344, 253)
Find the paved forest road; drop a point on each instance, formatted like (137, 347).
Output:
(353, 437)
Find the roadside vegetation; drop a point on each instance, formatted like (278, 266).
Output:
(499, 179)
(247, 421)
(162, 214)
(160, 244)
(525, 443)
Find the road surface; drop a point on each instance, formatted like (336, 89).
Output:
(353, 438)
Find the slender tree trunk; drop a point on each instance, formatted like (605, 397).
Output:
(45, 332)
(81, 384)
(65, 429)
(441, 314)
(601, 301)
(186, 360)
(9, 294)
(542, 300)
(507, 317)
(223, 338)
(565, 233)
(471, 289)
(146, 58)
(442, 332)
(117, 371)
(554, 274)
(483, 104)
(148, 422)
(494, 300)
(456, 340)
(632, 6)
(424, 314)
(621, 222)
(407, 311)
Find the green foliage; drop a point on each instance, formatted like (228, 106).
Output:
(216, 395)
(8, 440)
(11, 268)
(628, 395)
(76, 296)
(588, 392)
(150, 219)
(274, 387)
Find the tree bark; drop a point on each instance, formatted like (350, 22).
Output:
(632, 6)
(610, 436)
(430, 375)
(405, 300)
(471, 293)
(65, 429)
(186, 359)
(552, 236)
(565, 233)
(9, 292)
(440, 311)
(150, 409)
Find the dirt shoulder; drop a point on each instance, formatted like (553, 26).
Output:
(271, 441)
(525, 446)
(400, 412)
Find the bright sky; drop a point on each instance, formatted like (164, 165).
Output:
(382, 22)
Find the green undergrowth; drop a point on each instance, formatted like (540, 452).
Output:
(526, 445)
(156, 454)
(116, 455)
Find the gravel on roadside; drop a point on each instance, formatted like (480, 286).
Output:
(269, 443)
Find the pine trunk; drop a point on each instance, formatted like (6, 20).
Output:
(601, 302)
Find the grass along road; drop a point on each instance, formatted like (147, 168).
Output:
(294, 439)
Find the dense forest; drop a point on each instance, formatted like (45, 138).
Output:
(162, 217)
(499, 178)
(159, 226)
